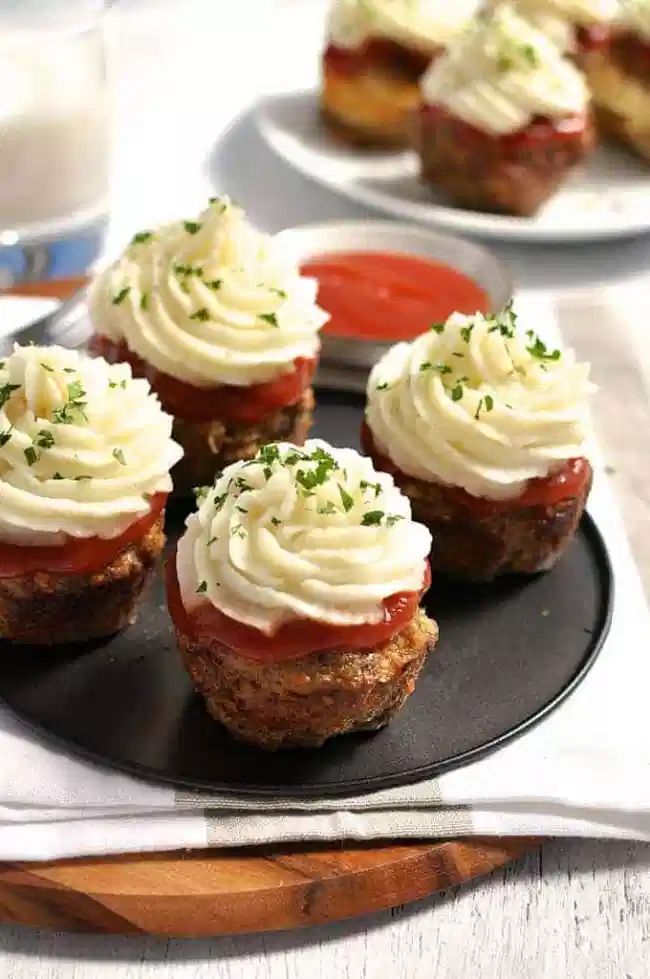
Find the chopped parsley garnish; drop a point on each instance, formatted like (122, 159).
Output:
(270, 318)
(44, 439)
(203, 587)
(81, 479)
(57, 475)
(372, 518)
(46, 367)
(31, 455)
(213, 540)
(192, 227)
(504, 63)
(310, 478)
(392, 519)
(215, 284)
(6, 391)
(280, 292)
(347, 501)
(457, 354)
(121, 296)
(364, 485)
(118, 384)
(269, 454)
(5, 435)
(466, 332)
(238, 531)
(200, 493)
(219, 501)
(201, 315)
(141, 237)
(327, 508)
(457, 392)
(383, 386)
(119, 455)
(437, 327)
(276, 521)
(539, 350)
(489, 402)
(189, 270)
(74, 407)
(530, 54)
(144, 300)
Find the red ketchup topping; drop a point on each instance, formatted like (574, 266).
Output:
(79, 555)
(293, 640)
(377, 53)
(227, 403)
(564, 483)
(539, 132)
(389, 296)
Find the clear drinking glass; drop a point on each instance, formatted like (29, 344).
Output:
(54, 126)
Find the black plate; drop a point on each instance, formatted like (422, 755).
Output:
(509, 653)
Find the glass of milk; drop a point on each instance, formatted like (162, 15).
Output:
(54, 153)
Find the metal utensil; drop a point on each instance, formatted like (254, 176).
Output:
(67, 326)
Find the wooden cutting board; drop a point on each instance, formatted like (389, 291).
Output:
(214, 892)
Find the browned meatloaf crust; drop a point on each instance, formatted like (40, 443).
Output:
(303, 702)
(492, 175)
(374, 108)
(478, 547)
(210, 446)
(48, 608)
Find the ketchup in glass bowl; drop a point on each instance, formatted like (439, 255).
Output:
(383, 282)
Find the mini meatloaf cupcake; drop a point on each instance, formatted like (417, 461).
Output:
(505, 117)
(375, 54)
(483, 426)
(295, 596)
(224, 328)
(620, 79)
(85, 454)
(580, 28)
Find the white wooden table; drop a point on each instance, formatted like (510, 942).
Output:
(573, 910)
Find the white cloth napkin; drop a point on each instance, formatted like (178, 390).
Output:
(584, 771)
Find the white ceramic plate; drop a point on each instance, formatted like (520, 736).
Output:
(608, 198)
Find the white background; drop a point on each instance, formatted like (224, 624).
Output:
(184, 69)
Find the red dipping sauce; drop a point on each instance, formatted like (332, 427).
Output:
(388, 296)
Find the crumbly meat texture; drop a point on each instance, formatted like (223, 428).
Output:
(488, 174)
(372, 108)
(210, 446)
(303, 702)
(479, 547)
(50, 608)
(621, 92)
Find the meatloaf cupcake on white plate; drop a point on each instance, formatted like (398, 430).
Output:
(295, 596)
(375, 54)
(504, 119)
(620, 79)
(484, 428)
(225, 329)
(85, 454)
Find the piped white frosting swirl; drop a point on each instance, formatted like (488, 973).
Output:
(502, 73)
(479, 405)
(83, 447)
(426, 24)
(212, 301)
(311, 533)
(558, 19)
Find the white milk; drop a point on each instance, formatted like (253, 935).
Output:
(53, 126)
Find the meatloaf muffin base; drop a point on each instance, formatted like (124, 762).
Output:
(487, 174)
(49, 608)
(480, 546)
(303, 702)
(211, 446)
(373, 108)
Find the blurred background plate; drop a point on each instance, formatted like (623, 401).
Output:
(609, 198)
